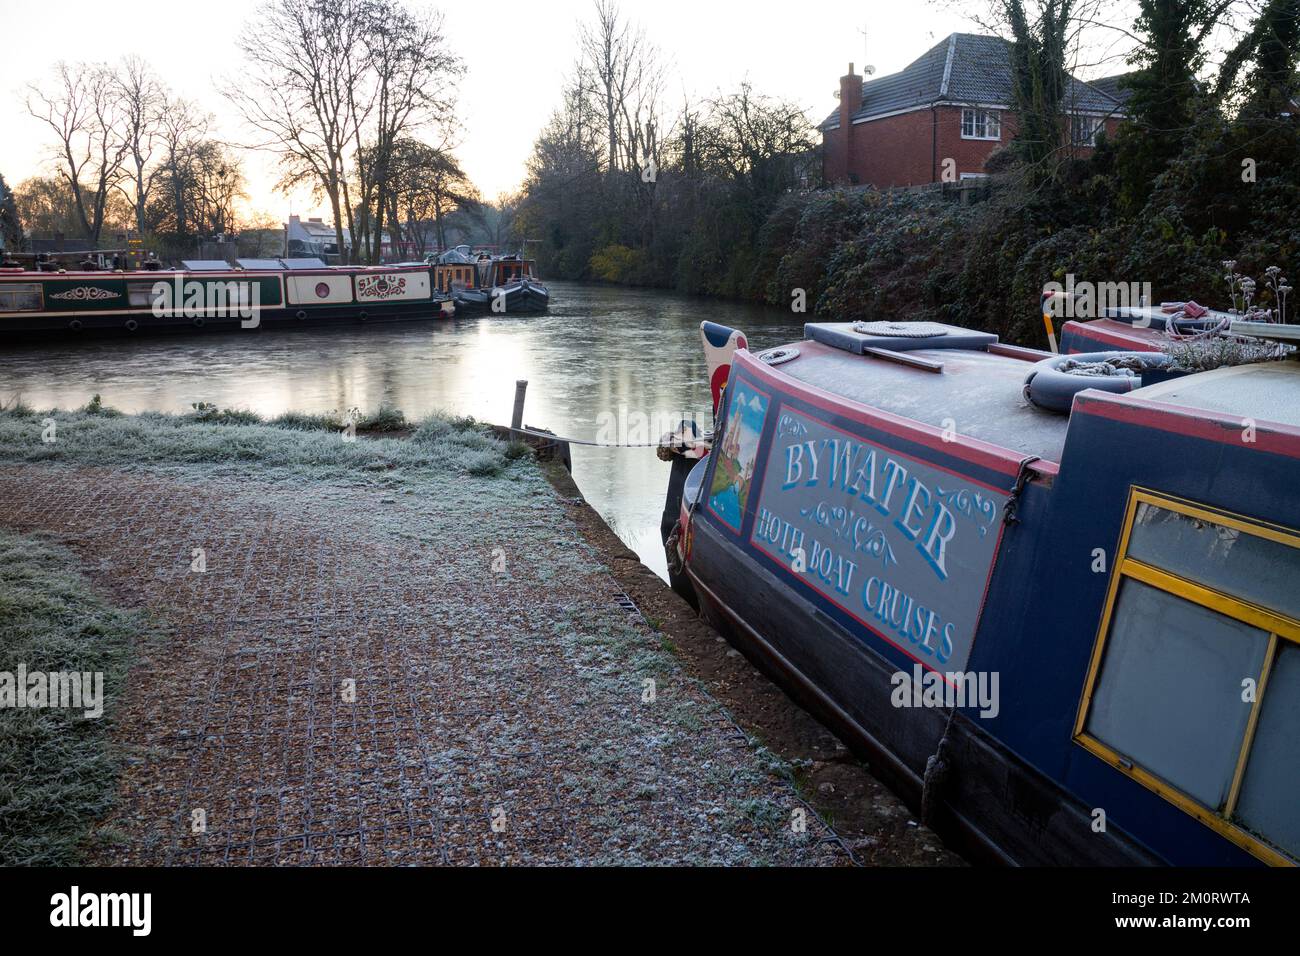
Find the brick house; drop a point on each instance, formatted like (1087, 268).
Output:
(952, 103)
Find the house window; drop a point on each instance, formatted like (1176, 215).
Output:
(1194, 686)
(1085, 129)
(980, 124)
(21, 297)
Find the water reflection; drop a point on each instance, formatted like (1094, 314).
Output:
(632, 355)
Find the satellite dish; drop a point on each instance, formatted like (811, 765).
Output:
(869, 71)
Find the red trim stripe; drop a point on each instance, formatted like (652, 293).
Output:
(1091, 331)
(977, 452)
(1213, 426)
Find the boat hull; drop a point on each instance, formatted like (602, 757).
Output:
(519, 299)
(992, 804)
(102, 325)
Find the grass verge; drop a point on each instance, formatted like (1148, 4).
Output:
(290, 444)
(58, 769)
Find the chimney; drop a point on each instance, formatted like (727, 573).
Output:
(850, 103)
(850, 96)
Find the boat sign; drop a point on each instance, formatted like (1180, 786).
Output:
(902, 546)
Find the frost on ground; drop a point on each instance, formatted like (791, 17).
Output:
(399, 652)
(57, 768)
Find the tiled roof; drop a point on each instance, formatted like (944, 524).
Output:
(1110, 85)
(964, 68)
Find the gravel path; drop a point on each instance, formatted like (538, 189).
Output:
(501, 712)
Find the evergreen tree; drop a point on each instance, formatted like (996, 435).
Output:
(11, 230)
(1165, 91)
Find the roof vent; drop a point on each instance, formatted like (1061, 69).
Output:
(858, 337)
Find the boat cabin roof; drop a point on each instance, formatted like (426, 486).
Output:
(980, 391)
(1265, 391)
(289, 266)
(969, 382)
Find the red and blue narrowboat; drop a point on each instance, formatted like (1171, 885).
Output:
(1069, 634)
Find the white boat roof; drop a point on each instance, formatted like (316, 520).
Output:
(982, 393)
(1265, 391)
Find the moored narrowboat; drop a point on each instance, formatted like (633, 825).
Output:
(495, 285)
(254, 294)
(1067, 637)
(1133, 326)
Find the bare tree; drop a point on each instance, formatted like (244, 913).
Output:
(411, 77)
(497, 220)
(332, 86)
(217, 185)
(183, 129)
(427, 185)
(754, 140)
(84, 114)
(141, 103)
(622, 71)
(48, 207)
(304, 58)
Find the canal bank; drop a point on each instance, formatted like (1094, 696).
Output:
(604, 363)
(393, 651)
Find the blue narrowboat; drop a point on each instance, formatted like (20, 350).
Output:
(1068, 637)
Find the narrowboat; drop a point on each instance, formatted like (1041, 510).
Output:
(1133, 326)
(1066, 633)
(486, 284)
(213, 295)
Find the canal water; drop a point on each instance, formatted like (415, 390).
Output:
(608, 364)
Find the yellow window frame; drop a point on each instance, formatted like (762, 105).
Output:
(1277, 626)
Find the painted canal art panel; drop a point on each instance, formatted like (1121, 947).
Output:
(388, 287)
(733, 471)
(902, 546)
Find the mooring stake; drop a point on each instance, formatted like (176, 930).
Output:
(517, 419)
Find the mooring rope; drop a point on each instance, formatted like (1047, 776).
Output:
(581, 441)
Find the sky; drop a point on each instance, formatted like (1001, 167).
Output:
(517, 55)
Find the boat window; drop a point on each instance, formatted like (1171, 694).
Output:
(1267, 804)
(140, 294)
(1256, 569)
(1194, 688)
(1169, 697)
(456, 276)
(21, 297)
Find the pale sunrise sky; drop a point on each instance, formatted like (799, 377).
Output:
(516, 52)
